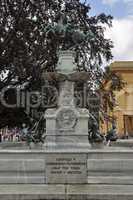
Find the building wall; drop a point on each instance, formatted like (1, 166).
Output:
(124, 110)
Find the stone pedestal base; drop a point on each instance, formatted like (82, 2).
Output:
(67, 146)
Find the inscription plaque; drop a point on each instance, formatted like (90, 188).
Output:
(66, 168)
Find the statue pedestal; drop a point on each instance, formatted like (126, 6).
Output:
(66, 134)
(66, 126)
(66, 138)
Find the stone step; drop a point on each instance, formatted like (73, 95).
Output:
(66, 192)
(110, 171)
(123, 143)
(29, 167)
(104, 167)
(110, 165)
(115, 180)
(28, 179)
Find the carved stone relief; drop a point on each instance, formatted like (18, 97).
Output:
(66, 119)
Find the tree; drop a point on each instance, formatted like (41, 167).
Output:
(32, 32)
(111, 82)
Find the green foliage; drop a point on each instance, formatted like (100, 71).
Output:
(31, 35)
(32, 32)
(110, 83)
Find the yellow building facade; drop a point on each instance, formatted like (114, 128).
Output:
(124, 109)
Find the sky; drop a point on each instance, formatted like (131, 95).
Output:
(121, 32)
